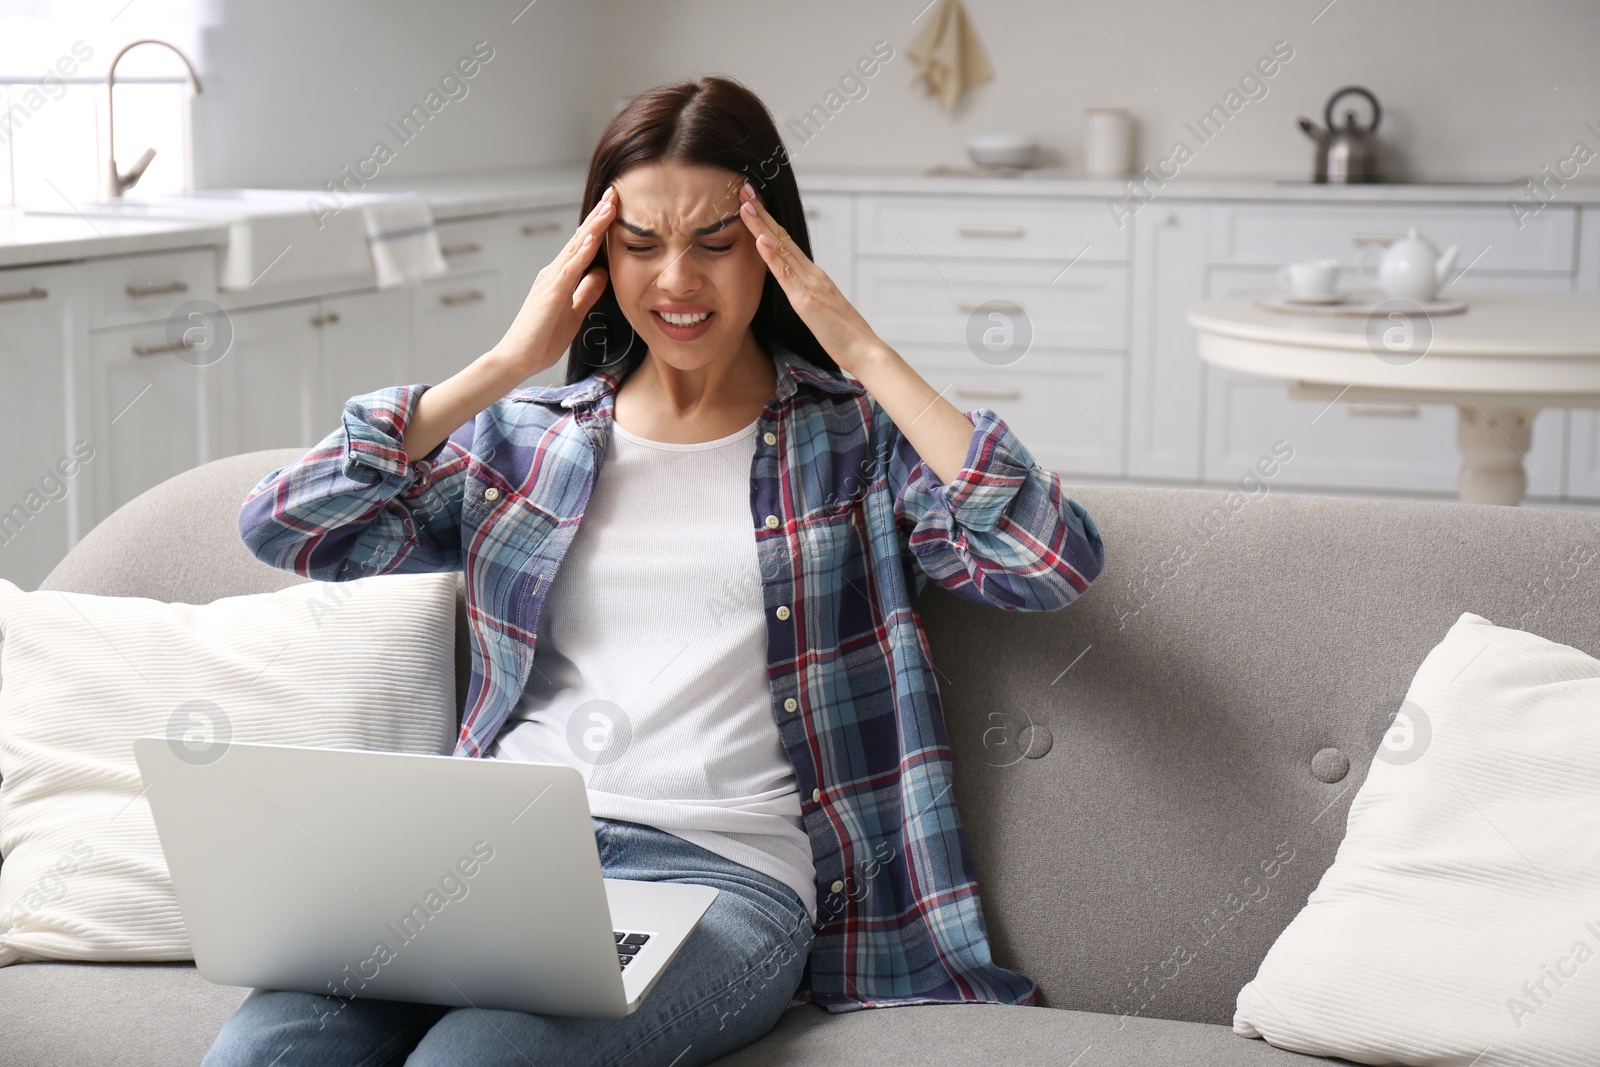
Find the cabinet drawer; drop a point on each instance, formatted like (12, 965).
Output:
(1271, 234)
(468, 244)
(1065, 407)
(146, 288)
(1005, 227)
(916, 300)
(528, 242)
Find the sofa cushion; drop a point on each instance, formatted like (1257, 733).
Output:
(162, 1015)
(964, 1035)
(363, 664)
(1460, 915)
(131, 1015)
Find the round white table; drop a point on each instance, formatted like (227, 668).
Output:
(1499, 362)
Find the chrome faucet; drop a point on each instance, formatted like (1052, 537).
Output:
(116, 184)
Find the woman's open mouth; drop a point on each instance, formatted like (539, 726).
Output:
(683, 325)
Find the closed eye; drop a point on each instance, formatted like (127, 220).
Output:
(637, 249)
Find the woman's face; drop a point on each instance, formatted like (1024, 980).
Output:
(684, 267)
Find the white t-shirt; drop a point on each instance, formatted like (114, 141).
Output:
(651, 674)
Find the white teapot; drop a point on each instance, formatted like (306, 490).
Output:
(1413, 268)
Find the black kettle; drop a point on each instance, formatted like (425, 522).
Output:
(1347, 153)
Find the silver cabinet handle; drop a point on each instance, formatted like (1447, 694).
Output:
(1401, 410)
(154, 350)
(529, 229)
(812, 212)
(975, 392)
(152, 290)
(318, 320)
(1373, 238)
(999, 305)
(461, 298)
(461, 250)
(1169, 217)
(31, 293)
(990, 231)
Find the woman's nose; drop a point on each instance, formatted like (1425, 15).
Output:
(680, 276)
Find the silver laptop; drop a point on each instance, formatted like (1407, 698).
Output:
(438, 879)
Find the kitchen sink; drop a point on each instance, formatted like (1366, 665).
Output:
(274, 238)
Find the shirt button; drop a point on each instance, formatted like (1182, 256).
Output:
(816, 795)
(770, 438)
(790, 704)
(491, 493)
(837, 887)
(783, 611)
(772, 522)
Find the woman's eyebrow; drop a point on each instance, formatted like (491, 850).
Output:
(640, 231)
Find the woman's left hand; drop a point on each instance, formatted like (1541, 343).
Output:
(834, 321)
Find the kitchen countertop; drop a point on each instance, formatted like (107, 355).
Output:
(33, 239)
(1057, 182)
(37, 239)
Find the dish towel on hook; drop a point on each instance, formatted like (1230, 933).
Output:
(404, 243)
(948, 55)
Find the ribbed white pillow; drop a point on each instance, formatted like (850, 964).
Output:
(368, 663)
(1460, 921)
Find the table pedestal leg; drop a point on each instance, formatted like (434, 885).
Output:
(1493, 442)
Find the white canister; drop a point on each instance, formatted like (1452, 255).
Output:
(1108, 143)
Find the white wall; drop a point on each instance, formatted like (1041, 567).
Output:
(296, 89)
(1468, 95)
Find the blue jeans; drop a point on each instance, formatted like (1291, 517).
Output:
(727, 986)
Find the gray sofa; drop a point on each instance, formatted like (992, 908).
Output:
(1128, 769)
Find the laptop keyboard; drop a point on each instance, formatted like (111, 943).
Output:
(628, 946)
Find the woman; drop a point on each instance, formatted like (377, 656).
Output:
(731, 654)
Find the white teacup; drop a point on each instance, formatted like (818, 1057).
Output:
(1313, 279)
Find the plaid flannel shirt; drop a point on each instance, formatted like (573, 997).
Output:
(862, 525)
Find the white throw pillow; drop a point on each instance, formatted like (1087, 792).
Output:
(1460, 921)
(368, 663)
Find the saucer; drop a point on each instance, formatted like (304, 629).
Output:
(1331, 298)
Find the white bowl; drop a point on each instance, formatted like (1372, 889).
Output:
(1003, 150)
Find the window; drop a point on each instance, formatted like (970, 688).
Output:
(53, 63)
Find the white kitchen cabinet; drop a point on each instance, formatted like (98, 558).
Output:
(1583, 456)
(1000, 227)
(528, 241)
(45, 476)
(1165, 374)
(1066, 408)
(264, 399)
(364, 343)
(1270, 234)
(454, 320)
(150, 286)
(149, 406)
(148, 413)
(936, 276)
(292, 366)
(831, 225)
(1583, 432)
(1395, 447)
(469, 244)
(943, 300)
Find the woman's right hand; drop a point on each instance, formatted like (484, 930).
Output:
(561, 296)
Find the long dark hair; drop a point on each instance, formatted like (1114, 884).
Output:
(714, 121)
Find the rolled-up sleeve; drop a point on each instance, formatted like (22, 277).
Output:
(354, 506)
(1002, 533)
